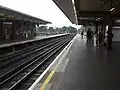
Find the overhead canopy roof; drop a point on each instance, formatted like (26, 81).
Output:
(68, 9)
(9, 13)
(87, 10)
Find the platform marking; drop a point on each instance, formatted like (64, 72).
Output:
(61, 76)
(50, 75)
(47, 80)
(53, 71)
(64, 65)
(41, 76)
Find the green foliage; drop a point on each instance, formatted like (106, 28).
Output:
(72, 29)
(57, 30)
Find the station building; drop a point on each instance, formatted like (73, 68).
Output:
(15, 25)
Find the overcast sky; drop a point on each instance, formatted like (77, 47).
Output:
(44, 9)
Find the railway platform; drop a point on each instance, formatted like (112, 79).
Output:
(82, 66)
(11, 43)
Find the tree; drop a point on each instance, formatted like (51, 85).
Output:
(51, 30)
(72, 29)
(65, 29)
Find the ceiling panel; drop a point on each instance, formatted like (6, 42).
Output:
(93, 5)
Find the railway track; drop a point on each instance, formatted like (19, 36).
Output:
(30, 65)
(15, 59)
(29, 48)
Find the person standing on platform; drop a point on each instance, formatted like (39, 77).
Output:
(109, 40)
(89, 37)
(89, 34)
(97, 39)
(82, 33)
(100, 37)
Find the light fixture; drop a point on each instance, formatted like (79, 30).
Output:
(112, 9)
(98, 19)
(73, 2)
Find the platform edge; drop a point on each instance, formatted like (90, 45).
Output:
(42, 75)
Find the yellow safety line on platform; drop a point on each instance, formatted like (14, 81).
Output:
(52, 72)
(49, 77)
(47, 80)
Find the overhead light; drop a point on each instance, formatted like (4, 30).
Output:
(112, 9)
(73, 2)
(98, 19)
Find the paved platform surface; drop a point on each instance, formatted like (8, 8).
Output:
(10, 43)
(84, 67)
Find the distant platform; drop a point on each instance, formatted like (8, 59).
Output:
(7, 44)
